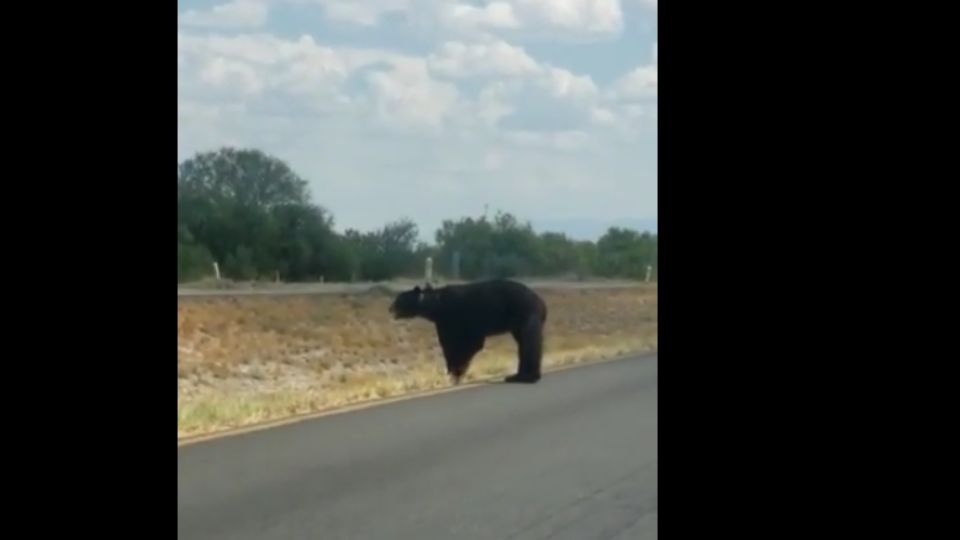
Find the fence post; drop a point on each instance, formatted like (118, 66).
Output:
(216, 270)
(428, 271)
(649, 273)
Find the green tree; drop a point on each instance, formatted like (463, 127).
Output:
(247, 178)
(193, 260)
(250, 211)
(558, 254)
(516, 250)
(626, 253)
(304, 245)
(386, 253)
(471, 238)
(587, 259)
(397, 243)
(240, 264)
(253, 214)
(503, 247)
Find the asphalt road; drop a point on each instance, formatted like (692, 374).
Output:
(571, 458)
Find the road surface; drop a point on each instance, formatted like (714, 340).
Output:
(571, 458)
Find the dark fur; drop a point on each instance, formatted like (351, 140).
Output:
(465, 315)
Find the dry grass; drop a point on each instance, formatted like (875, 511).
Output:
(251, 359)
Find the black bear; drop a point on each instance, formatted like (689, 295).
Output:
(465, 315)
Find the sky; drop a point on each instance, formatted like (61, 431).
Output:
(434, 109)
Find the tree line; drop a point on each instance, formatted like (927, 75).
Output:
(253, 215)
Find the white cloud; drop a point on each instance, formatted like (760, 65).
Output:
(652, 4)
(510, 68)
(256, 63)
(641, 83)
(638, 84)
(592, 16)
(227, 73)
(517, 93)
(361, 12)
(491, 106)
(533, 18)
(299, 76)
(548, 82)
(495, 15)
(564, 84)
(636, 111)
(557, 140)
(493, 161)
(398, 90)
(408, 96)
(476, 118)
(190, 112)
(259, 49)
(602, 116)
(234, 14)
(631, 101)
(495, 58)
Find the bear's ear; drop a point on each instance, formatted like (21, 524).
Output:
(416, 289)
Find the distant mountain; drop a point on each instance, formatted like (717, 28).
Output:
(592, 229)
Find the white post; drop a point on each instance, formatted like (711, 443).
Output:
(428, 271)
(216, 270)
(649, 273)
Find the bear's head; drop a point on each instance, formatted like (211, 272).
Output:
(412, 303)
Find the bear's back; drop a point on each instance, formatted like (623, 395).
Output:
(496, 306)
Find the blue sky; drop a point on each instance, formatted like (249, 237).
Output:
(432, 109)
